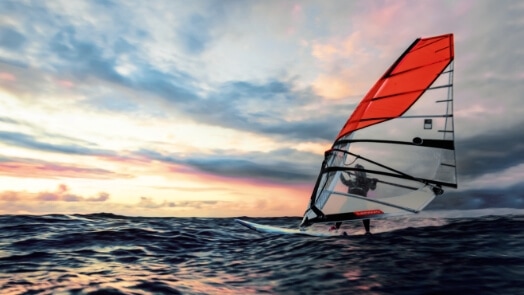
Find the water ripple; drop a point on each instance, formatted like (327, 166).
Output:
(110, 254)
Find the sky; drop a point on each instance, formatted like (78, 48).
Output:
(224, 108)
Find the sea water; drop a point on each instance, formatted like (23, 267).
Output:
(110, 254)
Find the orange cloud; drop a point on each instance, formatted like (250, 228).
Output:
(190, 192)
(332, 87)
(148, 202)
(39, 169)
(343, 63)
(61, 194)
(7, 76)
(325, 52)
(215, 196)
(65, 83)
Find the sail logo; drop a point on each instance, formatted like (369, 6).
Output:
(368, 212)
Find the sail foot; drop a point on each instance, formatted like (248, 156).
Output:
(357, 215)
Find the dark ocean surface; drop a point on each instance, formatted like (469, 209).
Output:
(110, 254)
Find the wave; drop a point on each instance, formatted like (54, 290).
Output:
(480, 252)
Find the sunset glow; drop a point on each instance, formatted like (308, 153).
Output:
(219, 109)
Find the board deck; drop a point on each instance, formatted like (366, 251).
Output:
(285, 231)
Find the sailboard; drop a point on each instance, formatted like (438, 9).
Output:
(287, 231)
(396, 151)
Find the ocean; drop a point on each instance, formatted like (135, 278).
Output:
(110, 254)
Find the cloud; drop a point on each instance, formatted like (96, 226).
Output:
(507, 197)
(82, 59)
(286, 165)
(102, 197)
(8, 120)
(23, 167)
(61, 194)
(118, 83)
(239, 168)
(148, 202)
(488, 76)
(11, 39)
(271, 108)
(29, 141)
(9, 196)
(490, 152)
(195, 34)
(71, 47)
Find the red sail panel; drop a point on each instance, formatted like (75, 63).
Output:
(403, 83)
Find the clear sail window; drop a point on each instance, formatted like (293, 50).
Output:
(428, 123)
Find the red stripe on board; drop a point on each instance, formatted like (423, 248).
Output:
(368, 212)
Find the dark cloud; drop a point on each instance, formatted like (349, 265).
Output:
(68, 52)
(476, 156)
(176, 87)
(325, 128)
(509, 197)
(490, 152)
(197, 31)
(239, 168)
(12, 63)
(28, 141)
(195, 34)
(105, 3)
(272, 108)
(81, 58)
(154, 155)
(11, 39)
(122, 46)
(281, 165)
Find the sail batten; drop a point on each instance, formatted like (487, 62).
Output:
(396, 151)
(402, 176)
(410, 92)
(375, 201)
(435, 143)
(415, 68)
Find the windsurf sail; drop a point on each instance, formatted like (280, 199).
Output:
(396, 151)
